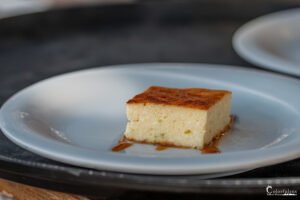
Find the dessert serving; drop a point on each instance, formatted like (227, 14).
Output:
(190, 117)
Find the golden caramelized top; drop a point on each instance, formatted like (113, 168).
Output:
(188, 97)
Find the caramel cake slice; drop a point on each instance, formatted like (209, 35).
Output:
(189, 117)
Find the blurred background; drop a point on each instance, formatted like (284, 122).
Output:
(10, 8)
(43, 38)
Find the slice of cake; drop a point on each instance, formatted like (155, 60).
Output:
(189, 117)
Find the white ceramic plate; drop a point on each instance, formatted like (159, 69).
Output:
(76, 118)
(271, 41)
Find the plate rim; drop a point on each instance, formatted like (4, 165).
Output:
(134, 169)
(267, 61)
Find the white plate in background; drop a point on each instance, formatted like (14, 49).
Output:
(271, 41)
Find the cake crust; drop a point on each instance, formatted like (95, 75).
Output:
(197, 98)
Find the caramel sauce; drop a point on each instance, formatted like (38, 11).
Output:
(160, 148)
(121, 146)
(212, 147)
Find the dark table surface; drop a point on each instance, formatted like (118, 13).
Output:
(37, 46)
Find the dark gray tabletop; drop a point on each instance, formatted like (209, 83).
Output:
(38, 46)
